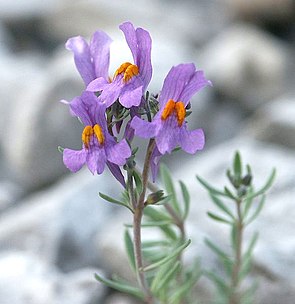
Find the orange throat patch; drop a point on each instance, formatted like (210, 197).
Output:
(89, 131)
(174, 107)
(128, 69)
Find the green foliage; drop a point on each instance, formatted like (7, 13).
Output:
(130, 249)
(243, 211)
(121, 286)
(237, 205)
(114, 201)
(175, 252)
(169, 186)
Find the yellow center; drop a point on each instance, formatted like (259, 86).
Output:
(128, 69)
(88, 133)
(174, 107)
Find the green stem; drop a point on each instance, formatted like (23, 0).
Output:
(235, 282)
(180, 224)
(137, 218)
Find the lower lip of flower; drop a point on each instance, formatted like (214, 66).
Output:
(128, 69)
(88, 133)
(172, 107)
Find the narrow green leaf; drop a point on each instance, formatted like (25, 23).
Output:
(237, 165)
(217, 250)
(129, 249)
(149, 244)
(134, 150)
(186, 199)
(218, 218)
(257, 211)
(169, 187)
(157, 215)
(221, 205)
(251, 245)
(248, 202)
(267, 185)
(60, 149)
(124, 287)
(138, 181)
(152, 256)
(210, 188)
(170, 256)
(247, 297)
(164, 276)
(125, 197)
(114, 201)
(247, 257)
(229, 193)
(224, 258)
(182, 291)
(219, 282)
(234, 236)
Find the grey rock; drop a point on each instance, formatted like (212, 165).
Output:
(39, 123)
(262, 10)
(79, 286)
(25, 9)
(86, 17)
(246, 65)
(110, 243)
(274, 122)
(5, 39)
(60, 223)
(23, 277)
(27, 278)
(9, 194)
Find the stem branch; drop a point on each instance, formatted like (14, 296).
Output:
(137, 218)
(235, 281)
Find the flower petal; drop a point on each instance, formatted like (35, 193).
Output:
(191, 141)
(77, 109)
(118, 153)
(97, 84)
(82, 58)
(129, 132)
(116, 171)
(86, 107)
(111, 92)
(130, 97)
(96, 160)
(175, 81)
(167, 139)
(74, 160)
(196, 83)
(144, 128)
(100, 53)
(130, 36)
(143, 61)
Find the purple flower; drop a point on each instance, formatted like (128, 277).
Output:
(99, 147)
(169, 127)
(130, 79)
(92, 61)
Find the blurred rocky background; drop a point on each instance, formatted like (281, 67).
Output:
(55, 232)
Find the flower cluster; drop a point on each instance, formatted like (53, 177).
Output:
(109, 101)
